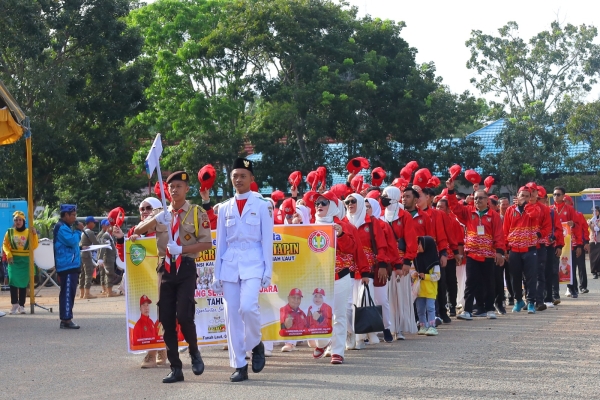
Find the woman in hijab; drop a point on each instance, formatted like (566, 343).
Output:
(374, 246)
(427, 271)
(16, 247)
(148, 207)
(594, 225)
(401, 222)
(381, 285)
(349, 260)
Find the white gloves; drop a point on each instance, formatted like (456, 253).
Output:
(174, 248)
(163, 218)
(596, 229)
(265, 282)
(100, 262)
(217, 286)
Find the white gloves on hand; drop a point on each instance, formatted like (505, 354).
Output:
(217, 286)
(174, 248)
(100, 262)
(265, 282)
(164, 218)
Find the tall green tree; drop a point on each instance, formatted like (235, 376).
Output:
(70, 66)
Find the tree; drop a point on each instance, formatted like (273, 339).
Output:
(69, 65)
(554, 63)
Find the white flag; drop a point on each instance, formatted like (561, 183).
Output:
(154, 155)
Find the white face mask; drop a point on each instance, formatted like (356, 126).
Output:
(391, 211)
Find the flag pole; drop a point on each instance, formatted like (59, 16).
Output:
(30, 215)
(160, 181)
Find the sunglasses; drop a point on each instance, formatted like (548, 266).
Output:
(480, 198)
(557, 194)
(323, 203)
(147, 208)
(350, 201)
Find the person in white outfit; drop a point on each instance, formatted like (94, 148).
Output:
(243, 264)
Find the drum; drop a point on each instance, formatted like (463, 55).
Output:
(43, 256)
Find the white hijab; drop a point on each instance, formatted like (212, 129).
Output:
(332, 211)
(375, 208)
(304, 214)
(342, 208)
(391, 211)
(358, 218)
(153, 201)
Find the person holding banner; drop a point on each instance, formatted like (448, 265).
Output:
(350, 261)
(244, 264)
(187, 237)
(594, 224)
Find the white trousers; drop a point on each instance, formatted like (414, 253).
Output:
(380, 297)
(357, 292)
(342, 288)
(401, 306)
(242, 317)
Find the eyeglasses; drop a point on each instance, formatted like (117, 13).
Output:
(557, 194)
(323, 203)
(350, 201)
(147, 208)
(480, 198)
(289, 216)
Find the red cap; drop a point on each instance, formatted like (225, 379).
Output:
(454, 171)
(488, 182)
(206, 177)
(422, 176)
(472, 176)
(340, 190)
(116, 216)
(526, 189)
(433, 182)
(400, 183)
(288, 207)
(145, 299)
(295, 179)
(373, 194)
(377, 176)
(310, 198)
(166, 187)
(494, 197)
(322, 175)
(532, 186)
(542, 192)
(568, 199)
(329, 195)
(254, 187)
(437, 198)
(313, 180)
(277, 195)
(444, 192)
(295, 292)
(319, 291)
(408, 170)
(565, 258)
(356, 164)
(357, 183)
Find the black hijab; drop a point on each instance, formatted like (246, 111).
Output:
(429, 257)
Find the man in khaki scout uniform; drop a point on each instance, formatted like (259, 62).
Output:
(106, 260)
(190, 230)
(87, 269)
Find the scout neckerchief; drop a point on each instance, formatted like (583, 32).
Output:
(176, 239)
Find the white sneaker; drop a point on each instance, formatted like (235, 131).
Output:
(14, 310)
(350, 341)
(225, 347)
(268, 353)
(491, 315)
(21, 310)
(248, 355)
(360, 344)
(549, 305)
(373, 338)
(465, 315)
(288, 347)
(2, 314)
(400, 336)
(328, 351)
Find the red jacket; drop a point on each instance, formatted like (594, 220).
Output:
(349, 252)
(520, 230)
(421, 223)
(544, 223)
(393, 257)
(567, 213)
(585, 229)
(404, 228)
(559, 237)
(324, 319)
(457, 232)
(487, 245)
(438, 233)
(364, 235)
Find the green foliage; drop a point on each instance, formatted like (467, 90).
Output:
(45, 221)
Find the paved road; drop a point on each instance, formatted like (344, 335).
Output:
(553, 354)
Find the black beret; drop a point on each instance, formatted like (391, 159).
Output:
(179, 176)
(244, 164)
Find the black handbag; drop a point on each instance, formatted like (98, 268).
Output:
(368, 317)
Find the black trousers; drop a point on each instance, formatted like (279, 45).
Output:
(524, 265)
(440, 304)
(451, 282)
(551, 274)
(578, 271)
(17, 295)
(508, 279)
(499, 283)
(542, 254)
(480, 283)
(176, 304)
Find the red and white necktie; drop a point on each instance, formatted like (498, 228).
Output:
(175, 232)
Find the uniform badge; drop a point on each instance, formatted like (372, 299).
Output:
(399, 222)
(565, 213)
(366, 229)
(489, 219)
(421, 221)
(188, 237)
(472, 216)
(206, 224)
(145, 328)
(246, 163)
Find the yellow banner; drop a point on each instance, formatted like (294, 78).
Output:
(566, 261)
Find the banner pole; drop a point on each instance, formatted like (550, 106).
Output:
(31, 226)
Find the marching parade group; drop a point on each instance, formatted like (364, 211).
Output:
(403, 243)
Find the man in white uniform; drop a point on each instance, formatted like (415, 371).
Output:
(244, 264)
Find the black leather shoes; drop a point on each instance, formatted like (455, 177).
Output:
(197, 363)
(258, 358)
(68, 325)
(240, 374)
(176, 375)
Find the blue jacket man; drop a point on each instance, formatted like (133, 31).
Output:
(67, 234)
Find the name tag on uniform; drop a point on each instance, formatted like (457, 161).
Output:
(252, 213)
(480, 230)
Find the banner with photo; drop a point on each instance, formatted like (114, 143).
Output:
(297, 304)
(564, 266)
